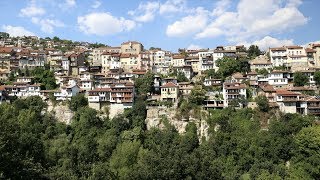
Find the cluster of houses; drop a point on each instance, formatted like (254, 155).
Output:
(106, 75)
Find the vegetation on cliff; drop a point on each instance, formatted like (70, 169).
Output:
(34, 145)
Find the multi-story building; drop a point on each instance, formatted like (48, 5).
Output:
(129, 62)
(234, 93)
(287, 100)
(110, 61)
(131, 47)
(294, 57)
(178, 60)
(122, 93)
(278, 78)
(278, 56)
(212, 82)
(75, 60)
(169, 92)
(98, 96)
(22, 90)
(260, 62)
(66, 92)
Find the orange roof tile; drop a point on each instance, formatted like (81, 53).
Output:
(169, 84)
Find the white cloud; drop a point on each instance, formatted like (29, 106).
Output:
(172, 6)
(104, 24)
(145, 11)
(188, 25)
(194, 47)
(32, 10)
(67, 4)
(96, 4)
(254, 20)
(47, 25)
(268, 42)
(17, 31)
(220, 7)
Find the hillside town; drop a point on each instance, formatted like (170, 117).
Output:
(288, 76)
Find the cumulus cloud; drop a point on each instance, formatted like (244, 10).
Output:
(47, 25)
(254, 20)
(17, 31)
(68, 4)
(96, 4)
(188, 25)
(32, 10)
(172, 6)
(269, 41)
(194, 47)
(145, 11)
(220, 7)
(104, 24)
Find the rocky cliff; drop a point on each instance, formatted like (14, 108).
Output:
(155, 117)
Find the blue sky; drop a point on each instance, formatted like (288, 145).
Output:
(169, 24)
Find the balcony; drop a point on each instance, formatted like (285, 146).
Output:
(314, 106)
(290, 99)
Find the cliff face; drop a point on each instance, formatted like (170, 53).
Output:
(61, 112)
(155, 117)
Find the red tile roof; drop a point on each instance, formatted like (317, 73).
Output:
(267, 88)
(100, 90)
(278, 49)
(284, 92)
(294, 47)
(169, 84)
(308, 50)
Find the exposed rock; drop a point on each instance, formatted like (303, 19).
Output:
(61, 112)
(155, 117)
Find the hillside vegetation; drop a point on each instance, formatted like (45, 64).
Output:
(33, 145)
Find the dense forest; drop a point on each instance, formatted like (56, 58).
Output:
(33, 145)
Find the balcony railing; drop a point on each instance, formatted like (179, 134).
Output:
(290, 99)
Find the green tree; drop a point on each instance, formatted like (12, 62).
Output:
(45, 77)
(197, 95)
(78, 101)
(317, 77)
(228, 66)
(181, 77)
(56, 39)
(144, 85)
(124, 157)
(300, 79)
(308, 148)
(253, 51)
(263, 103)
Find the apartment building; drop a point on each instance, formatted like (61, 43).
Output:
(122, 93)
(74, 60)
(129, 62)
(169, 92)
(233, 93)
(110, 61)
(22, 90)
(260, 62)
(278, 79)
(98, 96)
(288, 101)
(66, 92)
(294, 57)
(178, 60)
